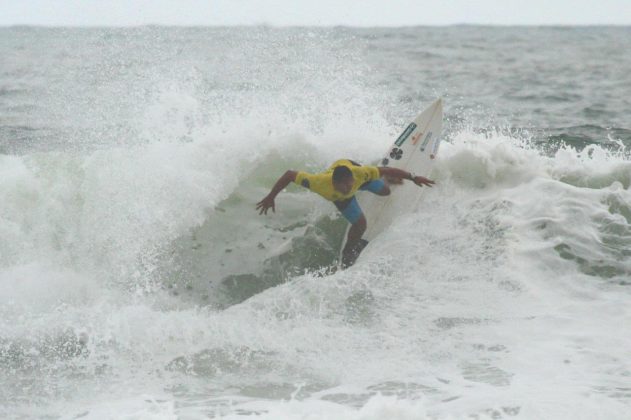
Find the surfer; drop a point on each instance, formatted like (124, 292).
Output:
(338, 184)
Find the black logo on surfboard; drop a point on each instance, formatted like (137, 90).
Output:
(396, 153)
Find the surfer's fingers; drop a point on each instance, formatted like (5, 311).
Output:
(425, 181)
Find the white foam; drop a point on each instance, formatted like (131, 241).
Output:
(462, 308)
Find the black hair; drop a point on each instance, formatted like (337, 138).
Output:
(340, 173)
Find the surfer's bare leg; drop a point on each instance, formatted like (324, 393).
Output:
(354, 235)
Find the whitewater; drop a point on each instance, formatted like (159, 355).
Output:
(137, 281)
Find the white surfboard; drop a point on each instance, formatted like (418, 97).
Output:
(414, 151)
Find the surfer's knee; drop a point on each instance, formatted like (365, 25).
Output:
(385, 190)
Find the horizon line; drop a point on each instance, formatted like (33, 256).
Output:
(351, 26)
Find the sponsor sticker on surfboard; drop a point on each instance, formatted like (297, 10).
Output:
(406, 133)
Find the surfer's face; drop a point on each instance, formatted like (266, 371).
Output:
(344, 186)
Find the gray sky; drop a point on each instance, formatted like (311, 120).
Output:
(313, 12)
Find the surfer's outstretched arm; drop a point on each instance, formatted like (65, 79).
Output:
(401, 174)
(268, 201)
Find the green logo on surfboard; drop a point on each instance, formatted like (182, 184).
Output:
(403, 137)
(429, 136)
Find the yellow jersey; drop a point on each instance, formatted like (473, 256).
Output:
(322, 183)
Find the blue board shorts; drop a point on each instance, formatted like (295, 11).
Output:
(352, 212)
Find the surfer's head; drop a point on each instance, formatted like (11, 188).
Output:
(343, 179)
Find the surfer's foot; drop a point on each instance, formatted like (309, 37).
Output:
(350, 253)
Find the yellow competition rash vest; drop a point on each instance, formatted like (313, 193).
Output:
(322, 183)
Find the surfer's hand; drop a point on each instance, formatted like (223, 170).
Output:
(265, 205)
(421, 180)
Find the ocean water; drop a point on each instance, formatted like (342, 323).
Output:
(138, 282)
